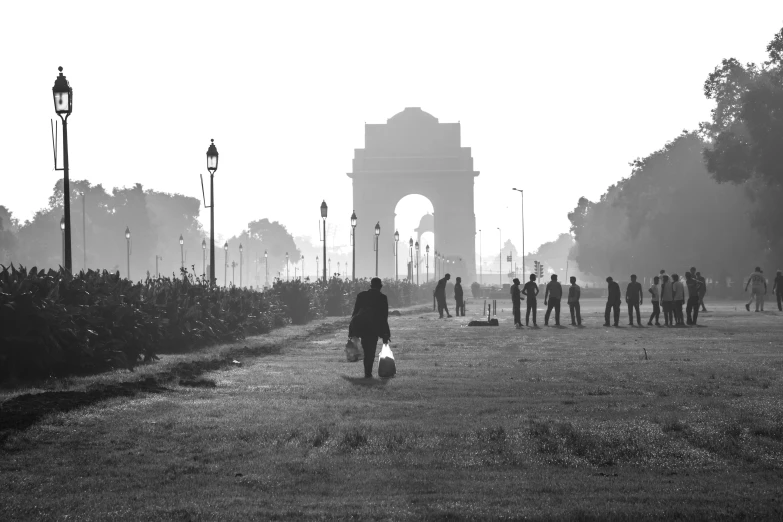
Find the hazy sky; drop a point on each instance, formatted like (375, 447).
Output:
(553, 97)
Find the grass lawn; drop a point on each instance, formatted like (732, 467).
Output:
(554, 423)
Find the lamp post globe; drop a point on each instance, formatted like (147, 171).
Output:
(62, 93)
(181, 240)
(353, 219)
(212, 157)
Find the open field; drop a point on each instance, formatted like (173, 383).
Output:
(551, 423)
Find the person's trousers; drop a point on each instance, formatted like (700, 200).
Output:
(656, 313)
(609, 308)
(779, 295)
(460, 307)
(368, 346)
(693, 307)
(678, 317)
(634, 305)
(701, 302)
(757, 293)
(531, 305)
(668, 312)
(553, 303)
(517, 314)
(442, 306)
(576, 313)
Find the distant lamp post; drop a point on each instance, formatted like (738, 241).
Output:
(233, 273)
(377, 233)
(396, 258)
(303, 267)
(427, 261)
(157, 258)
(62, 93)
(417, 262)
(410, 256)
(324, 211)
(225, 265)
(317, 265)
(62, 239)
(338, 269)
(212, 166)
(127, 245)
(522, 193)
(353, 242)
(203, 257)
(182, 251)
(241, 250)
(266, 269)
(286, 266)
(500, 260)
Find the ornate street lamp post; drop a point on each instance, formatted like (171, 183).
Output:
(286, 266)
(377, 233)
(396, 258)
(182, 251)
(241, 250)
(225, 265)
(62, 93)
(212, 166)
(410, 256)
(353, 242)
(427, 262)
(417, 263)
(127, 245)
(324, 210)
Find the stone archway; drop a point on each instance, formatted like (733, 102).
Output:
(413, 153)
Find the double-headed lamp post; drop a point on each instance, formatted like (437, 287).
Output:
(63, 105)
(127, 246)
(212, 166)
(377, 233)
(427, 261)
(353, 242)
(324, 211)
(203, 257)
(241, 250)
(396, 258)
(225, 265)
(417, 263)
(62, 238)
(182, 251)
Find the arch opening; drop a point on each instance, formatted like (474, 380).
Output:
(414, 219)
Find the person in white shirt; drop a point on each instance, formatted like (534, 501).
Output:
(655, 290)
(679, 299)
(758, 290)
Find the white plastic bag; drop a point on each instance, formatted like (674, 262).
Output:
(353, 350)
(386, 365)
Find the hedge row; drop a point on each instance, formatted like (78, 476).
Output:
(53, 323)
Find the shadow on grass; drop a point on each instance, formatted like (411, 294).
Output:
(361, 381)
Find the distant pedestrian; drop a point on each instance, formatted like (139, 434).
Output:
(553, 294)
(667, 300)
(679, 299)
(458, 296)
(655, 291)
(440, 295)
(530, 290)
(777, 289)
(758, 289)
(574, 293)
(370, 320)
(634, 297)
(702, 290)
(692, 309)
(613, 302)
(516, 303)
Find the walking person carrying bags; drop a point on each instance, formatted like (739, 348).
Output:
(370, 321)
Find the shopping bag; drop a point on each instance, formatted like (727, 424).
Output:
(353, 350)
(386, 366)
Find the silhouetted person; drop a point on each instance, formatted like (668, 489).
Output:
(692, 310)
(679, 299)
(702, 290)
(440, 296)
(553, 294)
(758, 289)
(667, 300)
(531, 291)
(613, 302)
(370, 320)
(458, 297)
(634, 297)
(777, 289)
(516, 303)
(655, 291)
(574, 293)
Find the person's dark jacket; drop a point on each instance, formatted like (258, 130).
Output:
(440, 290)
(614, 293)
(633, 292)
(458, 292)
(370, 315)
(516, 296)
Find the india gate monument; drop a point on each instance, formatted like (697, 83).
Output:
(413, 153)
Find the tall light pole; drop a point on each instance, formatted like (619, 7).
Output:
(225, 265)
(396, 258)
(212, 166)
(324, 210)
(417, 263)
(427, 262)
(181, 251)
(377, 233)
(241, 250)
(481, 274)
(127, 246)
(522, 193)
(286, 266)
(353, 242)
(62, 93)
(266, 269)
(500, 260)
(203, 257)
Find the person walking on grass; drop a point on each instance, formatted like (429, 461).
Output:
(758, 289)
(553, 294)
(634, 297)
(458, 297)
(655, 292)
(516, 303)
(574, 293)
(370, 321)
(777, 289)
(530, 290)
(440, 295)
(679, 299)
(613, 302)
(702, 290)
(667, 300)
(694, 287)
